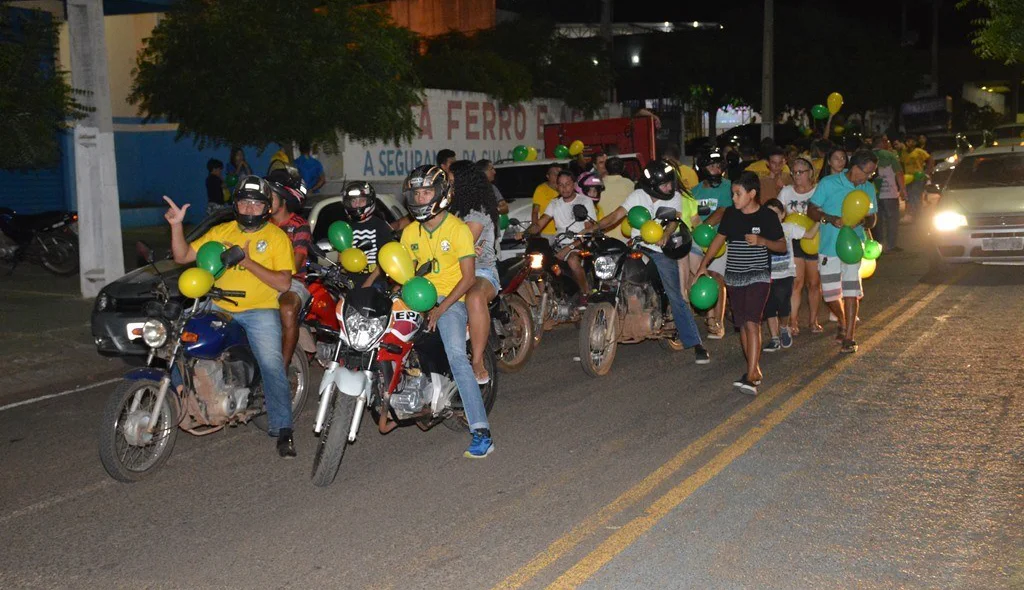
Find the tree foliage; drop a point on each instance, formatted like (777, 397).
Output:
(517, 61)
(256, 72)
(1000, 36)
(36, 100)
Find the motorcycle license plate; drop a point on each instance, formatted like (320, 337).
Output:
(1002, 244)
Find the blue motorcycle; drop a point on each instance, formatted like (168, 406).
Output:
(218, 374)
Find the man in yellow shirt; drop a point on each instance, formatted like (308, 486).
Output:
(264, 274)
(616, 186)
(917, 163)
(445, 243)
(544, 194)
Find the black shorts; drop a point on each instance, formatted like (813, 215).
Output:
(779, 302)
(798, 252)
(747, 302)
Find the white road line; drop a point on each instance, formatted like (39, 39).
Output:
(59, 394)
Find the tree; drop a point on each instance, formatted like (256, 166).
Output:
(1000, 36)
(36, 100)
(256, 72)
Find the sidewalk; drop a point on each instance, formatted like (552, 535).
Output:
(45, 340)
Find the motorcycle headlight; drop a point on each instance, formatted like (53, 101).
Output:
(154, 333)
(536, 261)
(604, 267)
(949, 221)
(362, 331)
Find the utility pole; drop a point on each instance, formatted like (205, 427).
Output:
(606, 39)
(935, 47)
(767, 72)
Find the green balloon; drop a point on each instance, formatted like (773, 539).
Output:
(848, 246)
(819, 112)
(919, 176)
(703, 234)
(232, 179)
(704, 293)
(638, 216)
(519, 153)
(208, 258)
(419, 294)
(561, 151)
(872, 250)
(503, 222)
(340, 235)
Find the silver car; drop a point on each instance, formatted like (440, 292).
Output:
(980, 216)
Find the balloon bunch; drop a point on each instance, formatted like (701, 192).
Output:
(352, 259)
(575, 148)
(524, 153)
(808, 245)
(848, 245)
(821, 112)
(703, 235)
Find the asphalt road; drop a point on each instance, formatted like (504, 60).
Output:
(899, 467)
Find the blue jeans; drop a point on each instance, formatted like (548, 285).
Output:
(888, 222)
(263, 329)
(452, 326)
(686, 326)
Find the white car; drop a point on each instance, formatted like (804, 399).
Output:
(980, 216)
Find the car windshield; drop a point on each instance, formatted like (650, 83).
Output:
(941, 142)
(987, 171)
(1014, 131)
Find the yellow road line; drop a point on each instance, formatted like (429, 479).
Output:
(580, 532)
(628, 534)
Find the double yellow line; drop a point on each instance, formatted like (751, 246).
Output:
(628, 534)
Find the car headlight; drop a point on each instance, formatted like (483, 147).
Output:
(536, 261)
(104, 302)
(154, 333)
(952, 159)
(363, 332)
(949, 221)
(604, 267)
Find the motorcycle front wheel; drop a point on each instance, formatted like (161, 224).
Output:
(128, 452)
(598, 339)
(58, 254)
(489, 392)
(330, 448)
(517, 345)
(298, 383)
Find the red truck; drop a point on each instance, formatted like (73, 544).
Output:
(626, 135)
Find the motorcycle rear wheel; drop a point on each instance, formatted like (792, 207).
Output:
(517, 347)
(489, 392)
(60, 255)
(123, 460)
(298, 382)
(598, 339)
(330, 448)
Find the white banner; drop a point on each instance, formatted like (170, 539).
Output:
(472, 124)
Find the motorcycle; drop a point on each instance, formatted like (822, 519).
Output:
(49, 239)
(386, 362)
(219, 374)
(630, 305)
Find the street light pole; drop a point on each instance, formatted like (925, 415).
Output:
(767, 71)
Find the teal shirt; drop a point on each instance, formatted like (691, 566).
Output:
(719, 197)
(829, 196)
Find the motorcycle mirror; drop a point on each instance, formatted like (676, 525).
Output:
(144, 252)
(232, 256)
(703, 210)
(579, 213)
(513, 221)
(666, 214)
(323, 246)
(424, 269)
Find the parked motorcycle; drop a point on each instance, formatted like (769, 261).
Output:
(220, 377)
(48, 239)
(385, 362)
(630, 305)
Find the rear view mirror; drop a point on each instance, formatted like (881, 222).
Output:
(579, 213)
(144, 252)
(703, 210)
(666, 214)
(324, 246)
(232, 256)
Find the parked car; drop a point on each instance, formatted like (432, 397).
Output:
(980, 214)
(948, 147)
(1010, 134)
(120, 309)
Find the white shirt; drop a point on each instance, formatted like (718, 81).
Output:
(793, 201)
(639, 197)
(560, 211)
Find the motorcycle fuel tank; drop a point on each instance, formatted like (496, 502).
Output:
(214, 332)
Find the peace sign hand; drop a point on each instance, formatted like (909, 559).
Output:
(175, 215)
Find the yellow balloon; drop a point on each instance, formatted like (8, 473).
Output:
(531, 154)
(721, 251)
(811, 245)
(908, 178)
(195, 282)
(396, 262)
(801, 220)
(576, 148)
(651, 231)
(855, 207)
(839, 129)
(627, 230)
(867, 268)
(353, 260)
(835, 102)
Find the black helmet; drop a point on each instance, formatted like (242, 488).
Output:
(254, 188)
(288, 184)
(678, 244)
(355, 190)
(707, 159)
(657, 173)
(427, 176)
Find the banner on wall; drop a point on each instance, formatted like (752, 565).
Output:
(472, 124)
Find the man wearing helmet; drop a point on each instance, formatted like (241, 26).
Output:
(714, 196)
(289, 191)
(369, 232)
(444, 243)
(264, 274)
(659, 191)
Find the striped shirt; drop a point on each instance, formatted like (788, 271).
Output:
(746, 264)
(299, 233)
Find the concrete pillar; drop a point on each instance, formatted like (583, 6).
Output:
(99, 212)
